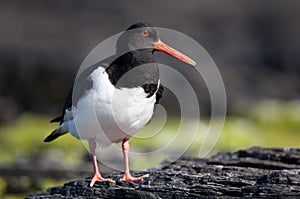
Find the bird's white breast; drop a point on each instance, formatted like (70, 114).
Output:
(110, 114)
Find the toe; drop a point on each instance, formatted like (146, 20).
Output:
(99, 178)
(130, 178)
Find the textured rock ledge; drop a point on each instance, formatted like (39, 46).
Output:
(256, 172)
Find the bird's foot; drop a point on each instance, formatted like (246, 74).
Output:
(128, 177)
(99, 178)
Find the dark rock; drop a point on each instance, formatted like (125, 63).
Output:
(255, 172)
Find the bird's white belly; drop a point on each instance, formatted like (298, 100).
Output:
(109, 114)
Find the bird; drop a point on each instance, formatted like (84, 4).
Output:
(120, 92)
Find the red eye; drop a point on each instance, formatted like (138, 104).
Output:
(145, 33)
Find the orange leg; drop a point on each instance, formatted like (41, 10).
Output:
(127, 176)
(97, 175)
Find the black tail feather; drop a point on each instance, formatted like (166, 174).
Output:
(55, 134)
(57, 119)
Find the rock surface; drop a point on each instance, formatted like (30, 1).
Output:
(256, 172)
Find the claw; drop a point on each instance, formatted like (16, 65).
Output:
(130, 178)
(98, 178)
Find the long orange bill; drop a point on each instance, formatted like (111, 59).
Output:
(161, 46)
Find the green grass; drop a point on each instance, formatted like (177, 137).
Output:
(25, 138)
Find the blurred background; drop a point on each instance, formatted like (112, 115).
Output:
(255, 44)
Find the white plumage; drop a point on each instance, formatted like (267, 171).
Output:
(109, 114)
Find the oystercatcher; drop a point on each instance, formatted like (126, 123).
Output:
(120, 92)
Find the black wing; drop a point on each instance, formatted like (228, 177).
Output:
(67, 105)
(83, 83)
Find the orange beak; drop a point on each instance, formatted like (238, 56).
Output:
(161, 46)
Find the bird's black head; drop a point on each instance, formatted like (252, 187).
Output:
(142, 36)
(135, 47)
(137, 36)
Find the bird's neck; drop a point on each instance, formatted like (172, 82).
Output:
(133, 69)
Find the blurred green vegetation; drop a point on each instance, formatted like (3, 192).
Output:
(267, 124)
(24, 138)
